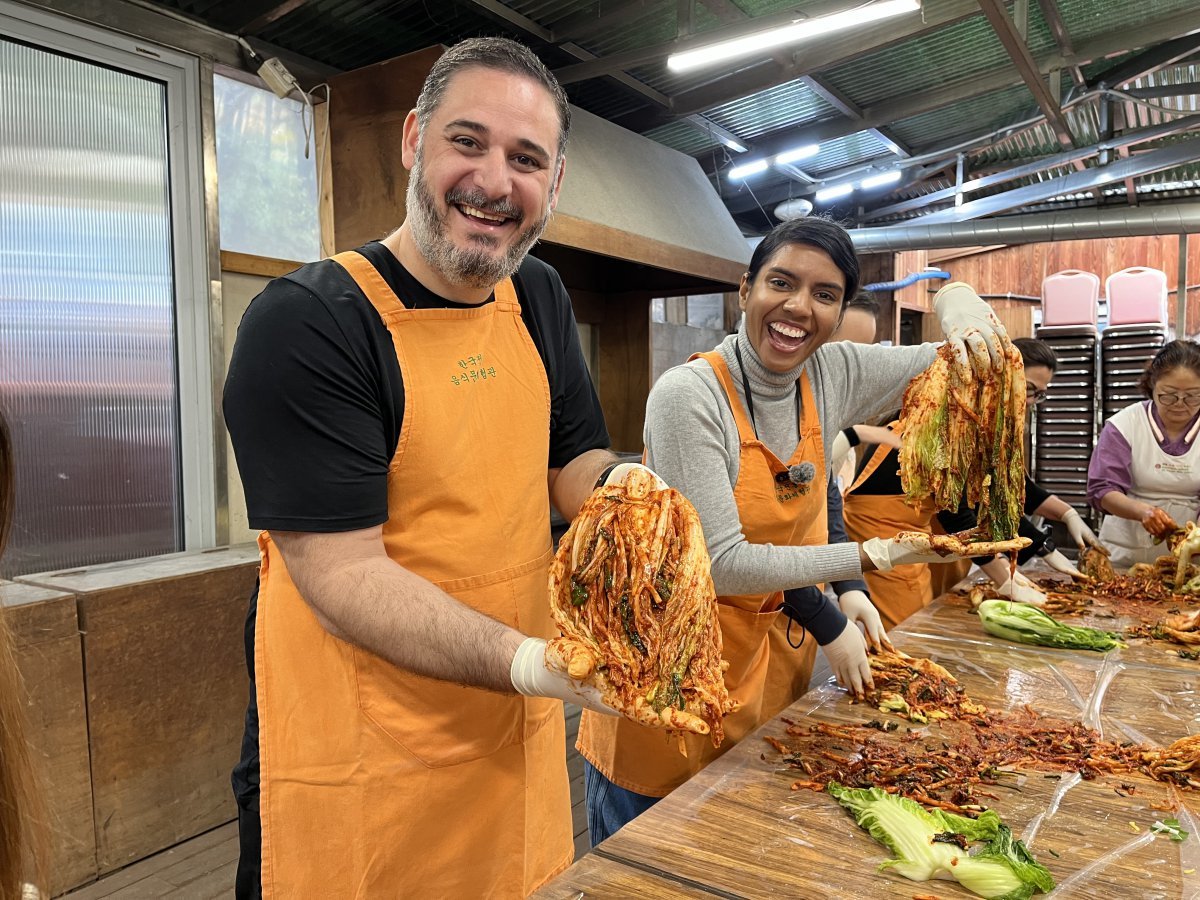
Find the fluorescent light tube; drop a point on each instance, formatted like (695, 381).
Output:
(880, 180)
(789, 34)
(832, 193)
(750, 168)
(791, 156)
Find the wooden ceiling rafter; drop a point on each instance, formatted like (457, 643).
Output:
(1018, 52)
(1062, 37)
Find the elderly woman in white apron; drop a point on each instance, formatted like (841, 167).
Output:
(1145, 472)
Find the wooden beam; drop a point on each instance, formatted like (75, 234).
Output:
(683, 18)
(1062, 37)
(1018, 52)
(249, 264)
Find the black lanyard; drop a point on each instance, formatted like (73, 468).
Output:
(737, 351)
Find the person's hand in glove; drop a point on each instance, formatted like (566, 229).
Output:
(618, 473)
(1060, 563)
(885, 554)
(847, 655)
(1158, 522)
(975, 335)
(858, 608)
(1019, 588)
(1080, 533)
(535, 676)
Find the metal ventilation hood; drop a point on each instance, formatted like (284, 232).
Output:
(632, 199)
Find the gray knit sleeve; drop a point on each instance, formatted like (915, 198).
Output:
(692, 443)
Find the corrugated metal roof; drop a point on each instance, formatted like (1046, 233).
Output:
(788, 104)
(975, 116)
(954, 53)
(684, 136)
(1087, 18)
(848, 151)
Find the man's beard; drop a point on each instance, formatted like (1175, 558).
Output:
(472, 266)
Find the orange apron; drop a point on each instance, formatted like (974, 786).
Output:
(905, 589)
(764, 673)
(380, 783)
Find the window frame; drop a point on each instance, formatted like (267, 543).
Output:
(191, 189)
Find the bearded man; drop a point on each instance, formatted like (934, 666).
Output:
(403, 415)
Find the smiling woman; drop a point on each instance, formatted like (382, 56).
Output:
(744, 433)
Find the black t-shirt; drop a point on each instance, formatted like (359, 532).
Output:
(314, 401)
(314, 398)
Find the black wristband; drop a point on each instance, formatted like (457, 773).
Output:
(608, 470)
(852, 436)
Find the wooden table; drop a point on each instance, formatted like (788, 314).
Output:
(738, 830)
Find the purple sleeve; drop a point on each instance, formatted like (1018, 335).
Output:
(1111, 466)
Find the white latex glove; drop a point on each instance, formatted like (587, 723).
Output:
(532, 677)
(1078, 529)
(621, 472)
(858, 608)
(975, 335)
(887, 553)
(1021, 589)
(847, 655)
(1060, 563)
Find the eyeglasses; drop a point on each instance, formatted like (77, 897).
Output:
(1034, 394)
(1191, 399)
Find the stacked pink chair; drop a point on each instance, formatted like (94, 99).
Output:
(1070, 298)
(1137, 296)
(1065, 424)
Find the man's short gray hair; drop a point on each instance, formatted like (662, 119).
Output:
(502, 55)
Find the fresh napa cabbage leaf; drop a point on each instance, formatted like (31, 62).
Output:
(932, 843)
(1027, 624)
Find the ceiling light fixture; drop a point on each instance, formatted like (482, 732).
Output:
(791, 156)
(832, 193)
(881, 179)
(799, 30)
(750, 168)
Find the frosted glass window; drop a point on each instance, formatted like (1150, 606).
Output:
(266, 187)
(87, 325)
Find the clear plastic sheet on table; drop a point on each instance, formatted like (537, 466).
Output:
(739, 829)
(595, 876)
(953, 617)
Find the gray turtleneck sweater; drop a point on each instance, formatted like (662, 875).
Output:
(692, 443)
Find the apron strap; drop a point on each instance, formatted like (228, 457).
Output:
(369, 281)
(384, 299)
(876, 460)
(717, 361)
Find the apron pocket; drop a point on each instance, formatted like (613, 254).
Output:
(743, 639)
(446, 724)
